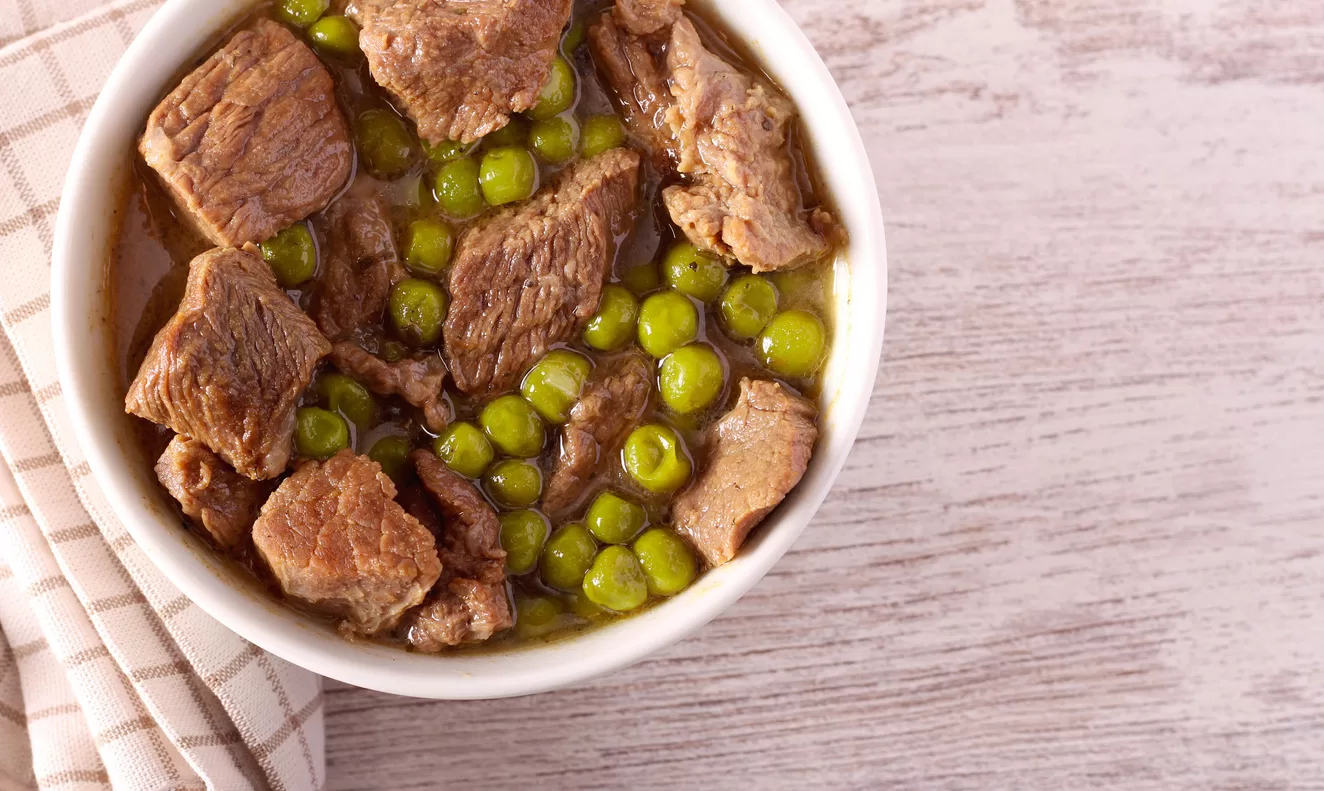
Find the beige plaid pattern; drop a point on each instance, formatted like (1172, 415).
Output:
(109, 677)
(22, 18)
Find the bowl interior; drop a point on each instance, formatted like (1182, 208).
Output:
(84, 235)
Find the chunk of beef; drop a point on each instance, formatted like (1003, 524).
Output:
(418, 380)
(732, 133)
(760, 451)
(466, 611)
(531, 276)
(416, 503)
(340, 544)
(360, 264)
(471, 540)
(612, 402)
(634, 68)
(220, 501)
(461, 67)
(645, 17)
(694, 113)
(253, 140)
(228, 368)
(470, 603)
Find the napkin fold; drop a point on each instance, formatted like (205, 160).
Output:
(109, 677)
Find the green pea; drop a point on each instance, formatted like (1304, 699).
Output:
(616, 580)
(336, 35)
(555, 139)
(446, 151)
(642, 278)
(428, 246)
(384, 142)
(691, 378)
(393, 454)
(614, 324)
(574, 38)
(319, 434)
(418, 310)
(558, 93)
(507, 175)
(292, 255)
(793, 344)
(567, 556)
(301, 13)
(656, 458)
(667, 321)
(747, 306)
(522, 536)
(349, 398)
(536, 616)
(394, 351)
(584, 608)
(513, 426)
(615, 520)
(513, 133)
(458, 193)
(464, 449)
(514, 484)
(601, 133)
(554, 384)
(690, 271)
(668, 562)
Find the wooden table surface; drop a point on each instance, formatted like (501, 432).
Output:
(1079, 543)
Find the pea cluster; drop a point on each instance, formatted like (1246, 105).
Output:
(666, 324)
(331, 34)
(613, 559)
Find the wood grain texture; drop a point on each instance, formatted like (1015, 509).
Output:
(1079, 542)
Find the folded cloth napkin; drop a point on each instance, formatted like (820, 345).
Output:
(109, 677)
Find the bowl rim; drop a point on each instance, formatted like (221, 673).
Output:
(598, 651)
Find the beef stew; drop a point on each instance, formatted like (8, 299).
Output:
(467, 323)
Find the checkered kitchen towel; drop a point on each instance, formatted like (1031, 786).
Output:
(108, 676)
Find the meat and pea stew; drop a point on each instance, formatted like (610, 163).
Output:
(474, 321)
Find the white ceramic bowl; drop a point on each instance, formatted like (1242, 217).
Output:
(84, 233)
